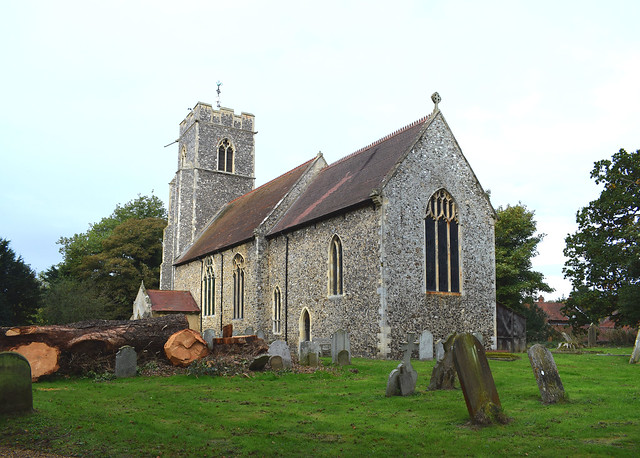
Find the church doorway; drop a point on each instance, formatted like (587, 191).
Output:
(305, 326)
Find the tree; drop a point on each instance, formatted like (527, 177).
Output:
(516, 282)
(19, 289)
(68, 300)
(603, 255)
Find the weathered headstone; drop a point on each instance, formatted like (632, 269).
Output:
(393, 384)
(402, 380)
(260, 334)
(126, 362)
(249, 331)
(309, 353)
(16, 395)
(635, 355)
(208, 335)
(339, 342)
(476, 380)
(280, 348)
(259, 362)
(426, 346)
(344, 358)
(444, 376)
(592, 336)
(546, 373)
(439, 350)
(478, 336)
(276, 362)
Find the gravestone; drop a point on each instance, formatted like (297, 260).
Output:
(280, 348)
(260, 334)
(208, 335)
(402, 380)
(478, 336)
(126, 362)
(592, 336)
(16, 395)
(546, 373)
(426, 346)
(635, 355)
(249, 331)
(344, 359)
(444, 375)
(276, 362)
(476, 380)
(339, 342)
(227, 330)
(309, 353)
(259, 362)
(439, 350)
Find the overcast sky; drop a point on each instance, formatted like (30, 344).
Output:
(90, 92)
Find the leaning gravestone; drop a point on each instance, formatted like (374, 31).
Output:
(126, 362)
(402, 380)
(478, 336)
(339, 342)
(208, 335)
(16, 395)
(635, 355)
(444, 376)
(546, 373)
(425, 350)
(309, 353)
(439, 347)
(259, 362)
(592, 336)
(476, 380)
(280, 348)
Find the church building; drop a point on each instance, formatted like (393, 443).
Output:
(396, 237)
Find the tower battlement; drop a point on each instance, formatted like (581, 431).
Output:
(204, 112)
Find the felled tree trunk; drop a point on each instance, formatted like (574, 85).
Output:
(83, 344)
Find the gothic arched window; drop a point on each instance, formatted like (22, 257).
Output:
(225, 156)
(335, 267)
(208, 288)
(277, 311)
(442, 250)
(238, 287)
(183, 157)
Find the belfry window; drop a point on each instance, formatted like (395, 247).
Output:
(277, 311)
(442, 263)
(208, 288)
(335, 267)
(238, 287)
(225, 156)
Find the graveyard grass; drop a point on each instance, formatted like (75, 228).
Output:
(337, 412)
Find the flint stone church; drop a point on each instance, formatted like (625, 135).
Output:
(396, 237)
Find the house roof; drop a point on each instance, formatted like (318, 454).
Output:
(172, 301)
(553, 310)
(350, 181)
(237, 220)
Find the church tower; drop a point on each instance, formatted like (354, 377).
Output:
(216, 164)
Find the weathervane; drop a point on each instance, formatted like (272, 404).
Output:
(218, 91)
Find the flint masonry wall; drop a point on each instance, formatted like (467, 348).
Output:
(435, 162)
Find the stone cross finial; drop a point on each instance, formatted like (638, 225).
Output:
(435, 97)
(408, 347)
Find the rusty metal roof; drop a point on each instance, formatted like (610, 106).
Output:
(350, 181)
(172, 301)
(237, 220)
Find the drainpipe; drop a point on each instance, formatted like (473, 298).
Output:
(286, 289)
(201, 291)
(221, 288)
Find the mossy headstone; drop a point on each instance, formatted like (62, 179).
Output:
(281, 349)
(546, 373)
(340, 341)
(444, 376)
(16, 395)
(635, 355)
(476, 380)
(126, 362)
(309, 353)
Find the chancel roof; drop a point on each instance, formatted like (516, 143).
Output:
(350, 181)
(172, 301)
(237, 220)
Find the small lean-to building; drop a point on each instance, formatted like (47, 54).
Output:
(395, 237)
(152, 302)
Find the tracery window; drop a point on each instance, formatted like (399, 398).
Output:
(442, 263)
(238, 287)
(208, 288)
(225, 155)
(277, 311)
(335, 267)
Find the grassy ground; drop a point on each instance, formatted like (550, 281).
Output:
(339, 412)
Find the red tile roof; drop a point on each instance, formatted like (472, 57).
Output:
(553, 310)
(237, 220)
(349, 182)
(172, 301)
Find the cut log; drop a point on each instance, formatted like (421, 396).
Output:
(184, 347)
(43, 359)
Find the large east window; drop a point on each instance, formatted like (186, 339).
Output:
(442, 247)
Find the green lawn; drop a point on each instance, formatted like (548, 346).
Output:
(342, 412)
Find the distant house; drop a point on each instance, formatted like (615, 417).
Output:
(153, 302)
(511, 328)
